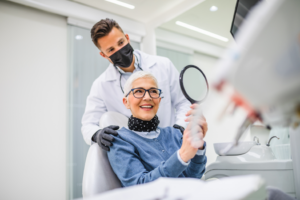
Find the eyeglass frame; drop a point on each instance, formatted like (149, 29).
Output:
(144, 93)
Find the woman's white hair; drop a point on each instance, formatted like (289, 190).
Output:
(135, 76)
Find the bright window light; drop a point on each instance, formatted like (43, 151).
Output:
(120, 3)
(179, 23)
(213, 8)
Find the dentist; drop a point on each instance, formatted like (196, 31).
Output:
(108, 89)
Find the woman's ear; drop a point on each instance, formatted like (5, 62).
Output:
(126, 102)
(159, 99)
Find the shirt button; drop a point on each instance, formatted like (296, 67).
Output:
(163, 150)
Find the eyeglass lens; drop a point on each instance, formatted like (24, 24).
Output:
(139, 93)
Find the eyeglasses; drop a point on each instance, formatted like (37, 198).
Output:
(140, 92)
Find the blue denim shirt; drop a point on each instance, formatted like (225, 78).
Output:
(137, 160)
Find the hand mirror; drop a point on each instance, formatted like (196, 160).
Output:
(193, 84)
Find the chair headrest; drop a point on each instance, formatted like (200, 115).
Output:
(113, 118)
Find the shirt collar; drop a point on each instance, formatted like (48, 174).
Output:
(149, 135)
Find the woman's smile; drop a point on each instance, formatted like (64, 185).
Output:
(146, 107)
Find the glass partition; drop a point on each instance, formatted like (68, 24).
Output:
(179, 59)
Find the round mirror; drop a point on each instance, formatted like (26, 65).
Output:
(193, 84)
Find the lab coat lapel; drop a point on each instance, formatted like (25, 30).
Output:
(146, 61)
(111, 73)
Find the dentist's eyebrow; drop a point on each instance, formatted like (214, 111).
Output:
(112, 48)
(121, 40)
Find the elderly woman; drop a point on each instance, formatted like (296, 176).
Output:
(143, 152)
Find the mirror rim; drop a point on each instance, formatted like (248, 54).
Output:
(182, 86)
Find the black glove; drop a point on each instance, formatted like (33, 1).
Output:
(103, 137)
(179, 127)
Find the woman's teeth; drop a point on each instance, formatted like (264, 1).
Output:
(146, 106)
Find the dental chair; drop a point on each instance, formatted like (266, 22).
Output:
(98, 175)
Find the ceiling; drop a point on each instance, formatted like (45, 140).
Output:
(218, 22)
(144, 11)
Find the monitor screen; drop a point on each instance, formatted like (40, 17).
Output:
(242, 8)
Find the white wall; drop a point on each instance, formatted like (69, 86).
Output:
(205, 62)
(33, 104)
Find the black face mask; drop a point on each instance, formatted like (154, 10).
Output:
(123, 57)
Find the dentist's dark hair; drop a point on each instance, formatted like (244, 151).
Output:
(102, 28)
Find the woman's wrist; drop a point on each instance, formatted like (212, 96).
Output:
(184, 157)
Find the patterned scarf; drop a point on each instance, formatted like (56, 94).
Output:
(139, 125)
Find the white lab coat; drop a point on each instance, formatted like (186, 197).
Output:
(106, 95)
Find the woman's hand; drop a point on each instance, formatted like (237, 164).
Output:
(202, 121)
(187, 151)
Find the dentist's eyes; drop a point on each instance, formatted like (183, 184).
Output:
(121, 43)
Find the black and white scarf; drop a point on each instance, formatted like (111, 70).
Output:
(139, 125)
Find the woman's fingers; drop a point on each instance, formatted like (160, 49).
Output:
(190, 141)
(188, 119)
(201, 134)
(202, 123)
(204, 127)
(189, 113)
(193, 107)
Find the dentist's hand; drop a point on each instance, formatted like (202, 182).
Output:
(103, 136)
(187, 151)
(202, 121)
